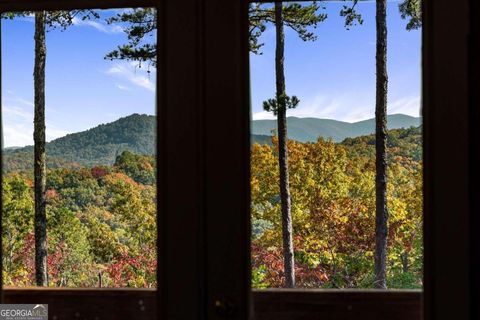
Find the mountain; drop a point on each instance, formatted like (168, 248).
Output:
(309, 129)
(136, 133)
(96, 146)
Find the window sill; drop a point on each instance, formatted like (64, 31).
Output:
(293, 304)
(89, 303)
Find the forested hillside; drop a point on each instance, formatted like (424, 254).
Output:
(101, 222)
(309, 129)
(101, 219)
(136, 133)
(332, 189)
(97, 146)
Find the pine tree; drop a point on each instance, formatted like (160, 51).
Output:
(411, 9)
(300, 18)
(44, 21)
(39, 167)
(381, 214)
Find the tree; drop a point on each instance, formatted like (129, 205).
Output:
(43, 22)
(39, 166)
(381, 210)
(281, 111)
(17, 221)
(141, 25)
(298, 18)
(411, 9)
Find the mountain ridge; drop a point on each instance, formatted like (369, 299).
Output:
(309, 129)
(136, 133)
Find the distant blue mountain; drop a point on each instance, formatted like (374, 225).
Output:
(136, 133)
(310, 129)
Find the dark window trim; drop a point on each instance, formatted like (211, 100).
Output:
(446, 100)
(207, 80)
(179, 205)
(337, 304)
(107, 304)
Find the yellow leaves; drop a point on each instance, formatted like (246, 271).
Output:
(332, 190)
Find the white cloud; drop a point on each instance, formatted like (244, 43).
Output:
(18, 100)
(53, 132)
(102, 27)
(263, 115)
(18, 112)
(320, 106)
(122, 87)
(344, 108)
(16, 135)
(409, 105)
(18, 123)
(134, 75)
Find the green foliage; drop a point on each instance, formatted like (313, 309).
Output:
(17, 223)
(412, 9)
(60, 19)
(332, 187)
(283, 102)
(139, 168)
(98, 146)
(100, 220)
(298, 17)
(352, 17)
(140, 25)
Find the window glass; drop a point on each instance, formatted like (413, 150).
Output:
(315, 182)
(81, 83)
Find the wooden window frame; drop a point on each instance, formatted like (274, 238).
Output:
(179, 205)
(203, 89)
(447, 77)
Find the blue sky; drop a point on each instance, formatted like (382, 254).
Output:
(334, 77)
(82, 89)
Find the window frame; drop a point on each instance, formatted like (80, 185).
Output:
(294, 304)
(447, 53)
(202, 75)
(177, 202)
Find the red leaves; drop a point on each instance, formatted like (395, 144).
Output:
(51, 195)
(272, 260)
(133, 270)
(99, 172)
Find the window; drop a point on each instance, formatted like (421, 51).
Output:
(325, 62)
(74, 163)
(203, 90)
(99, 115)
(436, 202)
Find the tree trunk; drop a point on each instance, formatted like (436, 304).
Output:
(404, 259)
(282, 151)
(381, 221)
(39, 153)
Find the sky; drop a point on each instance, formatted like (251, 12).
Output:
(83, 89)
(334, 77)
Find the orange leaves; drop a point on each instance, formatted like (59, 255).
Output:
(333, 207)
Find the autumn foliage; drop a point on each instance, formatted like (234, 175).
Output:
(101, 225)
(102, 219)
(333, 208)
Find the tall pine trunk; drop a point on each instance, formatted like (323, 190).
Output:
(282, 150)
(39, 152)
(381, 219)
